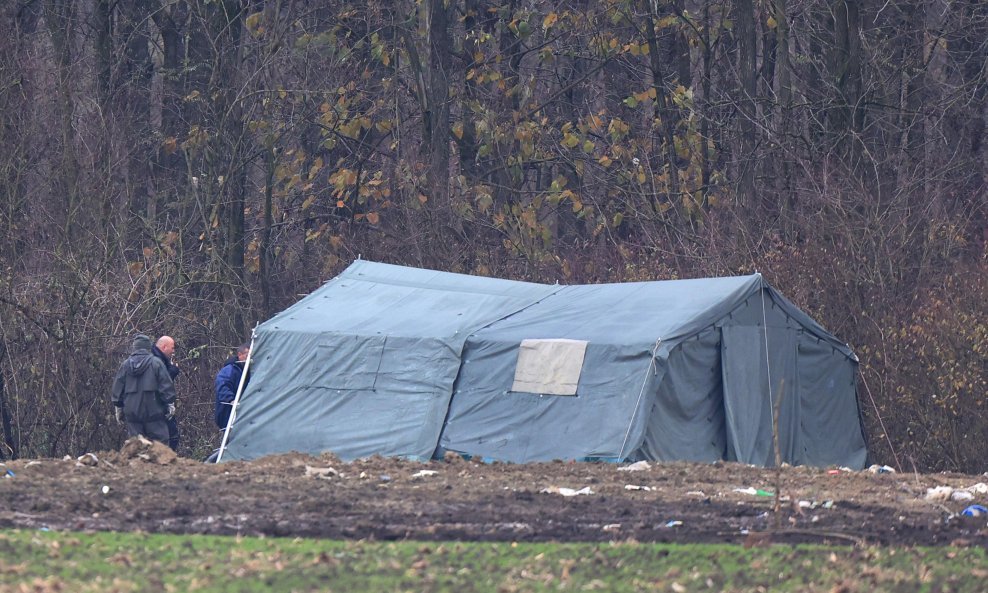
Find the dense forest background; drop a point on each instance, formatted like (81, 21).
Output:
(190, 167)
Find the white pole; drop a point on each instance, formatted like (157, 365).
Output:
(236, 398)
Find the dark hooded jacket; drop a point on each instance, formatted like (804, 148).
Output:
(173, 370)
(227, 382)
(143, 388)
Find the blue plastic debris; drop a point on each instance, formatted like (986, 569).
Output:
(975, 510)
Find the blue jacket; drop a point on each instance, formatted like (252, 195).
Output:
(227, 381)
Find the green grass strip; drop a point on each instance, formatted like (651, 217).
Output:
(123, 562)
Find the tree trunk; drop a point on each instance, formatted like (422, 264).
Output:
(748, 74)
(59, 18)
(10, 448)
(436, 118)
(663, 111)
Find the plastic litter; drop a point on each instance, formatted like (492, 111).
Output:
(424, 473)
(754, 491)
(566, 491)
(86, 459)
(939, 493)
(638, 466)
(636, 487)
(673, 523)
(881, 469)
(326, 473)
(961, 496)
(975, 510)
(8, 474)
(979, 488)
(105, 489)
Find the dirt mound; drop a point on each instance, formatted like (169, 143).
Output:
(145, 487)
(141, 449)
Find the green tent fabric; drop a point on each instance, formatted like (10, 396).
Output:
(400, 361)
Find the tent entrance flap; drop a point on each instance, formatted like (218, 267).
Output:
(748, 399)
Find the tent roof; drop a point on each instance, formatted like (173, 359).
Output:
(633, 312)
(376, 298)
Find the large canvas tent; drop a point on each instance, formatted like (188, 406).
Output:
(401, 361)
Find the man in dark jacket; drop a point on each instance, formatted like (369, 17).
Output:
(227, 382)
(143, 395)
(163, 350)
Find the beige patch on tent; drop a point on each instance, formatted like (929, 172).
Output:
(551, 367)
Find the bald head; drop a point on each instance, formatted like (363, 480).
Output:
(167, 345)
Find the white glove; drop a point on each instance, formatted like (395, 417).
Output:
(118, 414)
(171, 411)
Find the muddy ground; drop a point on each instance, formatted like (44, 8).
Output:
(144, 487)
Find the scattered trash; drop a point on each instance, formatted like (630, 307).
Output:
(634, 487)
(638, 466)
(424, 473)
(384, 478)
(326, 473)
(939, 493)
(754, 491)
(975, 510)
(979, 488)
(87, 459)
(30, 463)
(611, 527)
(881, 469)
(961, 496)
(363, 475)
(833, 472)
(673, 523)
(698, 493)
(566, 491)
(8, 474)
(105, 489)
(807, 504)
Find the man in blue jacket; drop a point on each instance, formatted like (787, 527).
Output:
(143, 395)
(227, 382)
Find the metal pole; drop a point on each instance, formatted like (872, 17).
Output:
(236, 398)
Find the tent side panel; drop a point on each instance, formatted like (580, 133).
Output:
(686, 422)
(351, 395)
(488, 420)
(831, 424)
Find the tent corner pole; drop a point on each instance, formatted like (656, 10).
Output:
(236, 398)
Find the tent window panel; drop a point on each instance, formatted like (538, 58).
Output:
(347, 363)
(550, 367)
